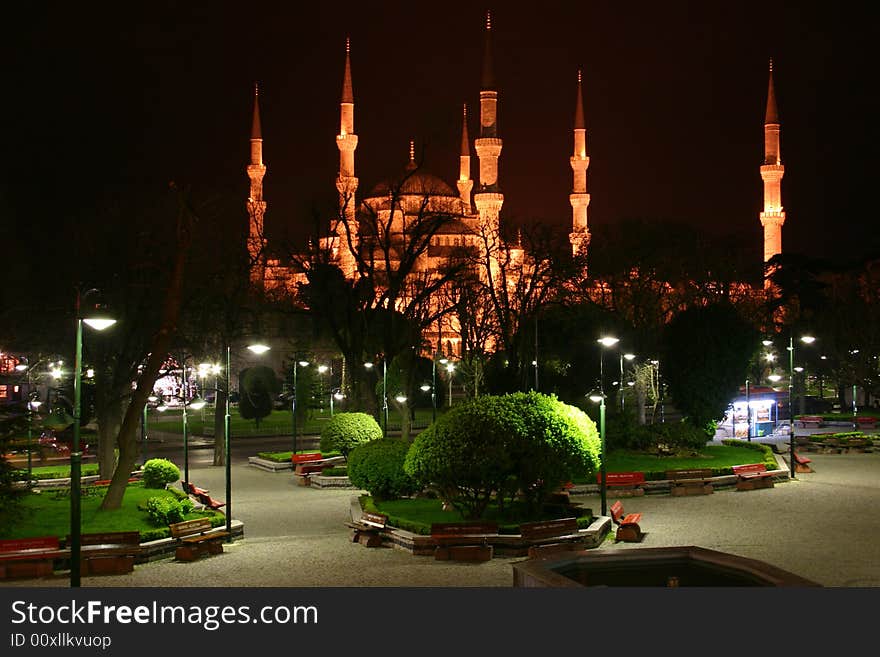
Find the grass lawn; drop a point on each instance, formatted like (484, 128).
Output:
(713, 456)
(417, 515)
(57, 471)
(48, 513)
(277, 423)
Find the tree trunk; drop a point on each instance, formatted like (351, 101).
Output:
(161, 346)
(108, 430)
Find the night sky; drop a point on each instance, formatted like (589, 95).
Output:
(101, 98)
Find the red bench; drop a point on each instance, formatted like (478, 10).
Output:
(752, 476)
(628, 528)
(627, 483)
(814, 421)
(29, 557)
(306, 464)
(866, 422)
(203, 496)
(802, 463)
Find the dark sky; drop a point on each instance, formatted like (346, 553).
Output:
(104, 96)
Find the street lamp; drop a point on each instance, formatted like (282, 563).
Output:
(300, 363)
(385, 396)
(450, 371)
(338, 396)
(33, 404)
(623, 357)
(806, 339)
(598, 397)
(605, 341)
(322, 369)
(151, 398)
(95, 315)
(227, 438)
(434, 388)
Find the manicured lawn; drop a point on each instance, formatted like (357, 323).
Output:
(48, 513)
(713, 456)
(57, 471)
(277, 423)
(418, 514)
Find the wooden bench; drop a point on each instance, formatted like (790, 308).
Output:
(196, 538)
(628, 528)
(752, 475)
(203, 496)
(561, 533)
(802, 463)
(808, 421)
(866, 422)
(628, 484)
(690, 482)
(367, 530)
(29, 557)
(108, 553)
(463, 541)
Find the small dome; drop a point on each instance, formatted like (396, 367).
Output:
(420, 183)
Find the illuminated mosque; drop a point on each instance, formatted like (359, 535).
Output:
(471, 210)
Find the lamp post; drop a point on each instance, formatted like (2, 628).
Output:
(623, 357)
(598, 397)
(226, 450)
(450, 371)
(96, 318)
(197, 404)
(301, 363)
(806, 339)
(605, 341)
(385, 396)
(322, 369)
(434, 388)
(33, 403)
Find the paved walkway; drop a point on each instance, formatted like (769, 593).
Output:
(824, 526)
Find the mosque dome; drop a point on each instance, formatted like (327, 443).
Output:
(413, 181)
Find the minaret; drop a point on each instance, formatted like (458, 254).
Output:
(465, 184)
(772, 171)
(488, 198)
(579, 199)
(346, 182)
(256, 206)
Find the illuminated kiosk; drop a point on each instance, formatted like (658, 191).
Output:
(753, 415)
(651, 567)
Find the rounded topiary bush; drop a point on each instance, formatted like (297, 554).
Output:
(167, 510)
(377, 467)
(158, 473)
(345, 431)
(501, 447)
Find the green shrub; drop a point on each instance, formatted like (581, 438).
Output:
(525, 444)
(158, 473)
(377, 467)
(166, 510)
(345, 431)
(766, 452)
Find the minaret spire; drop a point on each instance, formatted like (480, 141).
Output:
(346, 182)
(488, 198)
(464, 183)
(256, 206)
(580, 161)
(773, 216)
